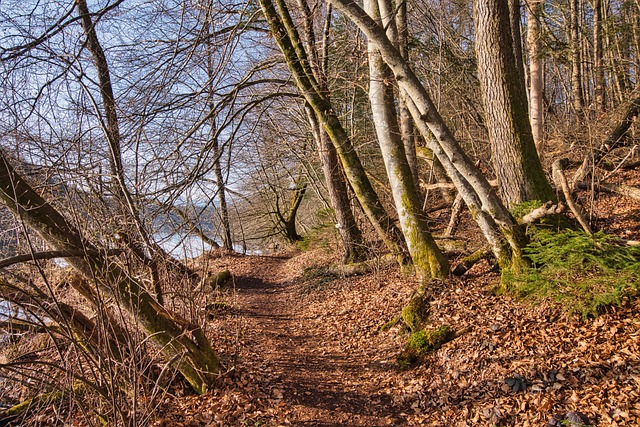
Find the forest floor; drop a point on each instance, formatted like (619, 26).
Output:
(304, 347)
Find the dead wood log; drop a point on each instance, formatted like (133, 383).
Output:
(561, 182)
(36, 403)
(454, 220)
(471, 260)
(623, 190)
(547, 209)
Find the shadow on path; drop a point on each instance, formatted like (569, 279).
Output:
(321, 384)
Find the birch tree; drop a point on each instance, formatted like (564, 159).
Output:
(498, 226)
(290, 43)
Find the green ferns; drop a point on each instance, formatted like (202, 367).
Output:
(583, 273)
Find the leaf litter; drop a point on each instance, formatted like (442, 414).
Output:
(320, 358)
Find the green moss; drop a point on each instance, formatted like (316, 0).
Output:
(390, 324)
(416, 313)
(423, 342)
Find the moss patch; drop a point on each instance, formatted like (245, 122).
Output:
(423, 342)
(416, 313)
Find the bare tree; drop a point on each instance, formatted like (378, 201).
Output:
(427, 258)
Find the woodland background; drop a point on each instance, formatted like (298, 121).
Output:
(138, 135)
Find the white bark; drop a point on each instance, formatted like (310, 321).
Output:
(494, 219)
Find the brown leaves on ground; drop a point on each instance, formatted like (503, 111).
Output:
(312, 354)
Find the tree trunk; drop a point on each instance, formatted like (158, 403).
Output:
(407, 128)
(516, 161)
(290, 44)
(337, 188)
(495, 221)
(352, 240)
(227, 242)
(112, 134)
(194, 358)
(536, 69)
(576, 68)
(598, 62)
(427, 258)
(515, 16)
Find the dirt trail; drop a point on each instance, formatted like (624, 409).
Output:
(319, 382)
(308, 351)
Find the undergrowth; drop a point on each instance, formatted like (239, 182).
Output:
(581, 272)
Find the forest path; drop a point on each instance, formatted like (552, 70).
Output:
(317, 378)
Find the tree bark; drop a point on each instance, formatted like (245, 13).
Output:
(576, 68)
(290, 44)
(514, 155)
(495, 221)
(195, 359)
(598, 61)
(407, 128)
(427, 259)
(350, 234)
(515, 16)
(349, 231)
(536, 69)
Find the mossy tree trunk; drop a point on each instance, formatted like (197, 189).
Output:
(514, 155)
(427, 259)
(183, 342)
(290, 43)
(498, 226)
(349, 231)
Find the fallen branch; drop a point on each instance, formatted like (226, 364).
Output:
(471, 260)
(54, 254)
(456, 213)
(449, 185)
(561, 182)
(623, 190)
(547, 209)
(37, 403)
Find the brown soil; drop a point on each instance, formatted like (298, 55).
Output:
(309, 352)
